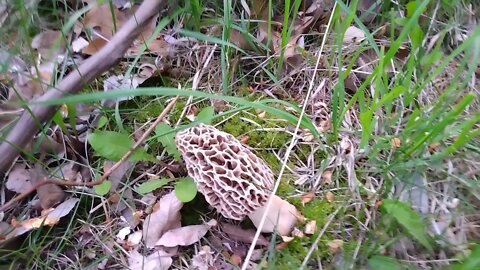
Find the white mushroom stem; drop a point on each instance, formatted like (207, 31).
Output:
(282, 216)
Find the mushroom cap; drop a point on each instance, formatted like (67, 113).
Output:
(230, 176)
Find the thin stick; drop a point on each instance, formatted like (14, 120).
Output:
(103, 177)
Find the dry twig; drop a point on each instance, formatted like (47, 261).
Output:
(103, 177)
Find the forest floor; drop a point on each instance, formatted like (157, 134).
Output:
(366, 112)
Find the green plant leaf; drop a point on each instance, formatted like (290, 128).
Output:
(167, 140)
(383, 262)
(102, 122)
(103, 188)
(152, 185)
(409, 219)
(186, 189)
(471, 262)
(205, 115)
(113, 145)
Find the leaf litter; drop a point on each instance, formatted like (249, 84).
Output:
(96, 30)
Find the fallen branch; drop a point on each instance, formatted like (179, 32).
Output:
(27, 126)
(100, 180)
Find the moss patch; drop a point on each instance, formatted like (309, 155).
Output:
(293, 254)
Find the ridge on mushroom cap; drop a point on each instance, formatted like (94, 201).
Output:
(230, 176)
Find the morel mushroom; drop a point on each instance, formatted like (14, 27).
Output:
(233, 179)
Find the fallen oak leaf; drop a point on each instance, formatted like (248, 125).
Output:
(53, 216)
(165, 218)
(18, 179)
(49, 195)
(159, 260)
(307, 197)
(241, 235)
(353, 34)
(311, 227)
(334, 246)
(185, 236)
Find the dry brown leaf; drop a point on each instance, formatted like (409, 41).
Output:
(49, 43)
(94, 46)
(79, 44)
(353, 34)
(327, 177)
(236, 233)
(308, 137)
(307, 197)
(159, 260)
(100, 18)
(18, 179)
(203, 259)
(368, 58)
(433, 147)
(244, 139)
(48, 219)
(298, 233)
(185, 236)
(238, 38)
(363, 8)
(166, 217)
(334, 246)
(101, 21)
(49, 195)
(351, 82)
(311, 227)
(395, 142)
(287, 239)
(330, 197)
(118, 175)
(281, 245)
(134, 239)
(235, 259)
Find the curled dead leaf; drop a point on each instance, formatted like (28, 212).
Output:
(287, 239)
(49, 195)
(235, 259)
(353, 34)
(236, 233)
(50, 218)
(311, 227)
(327, 176)
(18, 179)
(334, 246)
(297, 233)
(159, 260)
(184, 236)
(164, 218)
(330, 197)
(307, 197)
(395, 142)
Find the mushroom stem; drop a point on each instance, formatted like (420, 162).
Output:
(281, 216)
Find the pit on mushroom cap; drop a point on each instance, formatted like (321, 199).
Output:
(232, 178)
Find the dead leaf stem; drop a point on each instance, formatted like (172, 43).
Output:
(100, 180)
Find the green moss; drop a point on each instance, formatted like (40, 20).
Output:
(292, 255)
(141, 109)
(263, 141)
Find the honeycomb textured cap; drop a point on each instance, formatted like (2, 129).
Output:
(230, 176)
